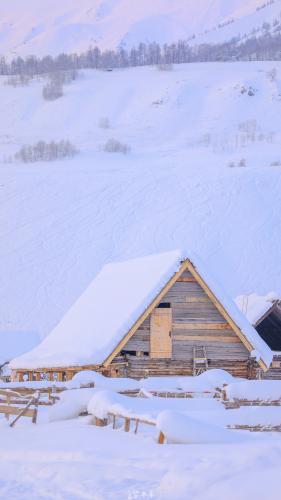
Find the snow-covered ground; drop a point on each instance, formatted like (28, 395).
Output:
(181, 185)
(74, 460)
(52, 27)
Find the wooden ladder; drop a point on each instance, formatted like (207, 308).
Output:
(200, 360)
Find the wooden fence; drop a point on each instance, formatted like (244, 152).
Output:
(128, 420)
(10, 398)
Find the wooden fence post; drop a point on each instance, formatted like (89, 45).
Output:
(127, 424)
(161, 438)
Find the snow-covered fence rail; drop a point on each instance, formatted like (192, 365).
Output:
(12, 397)
(185, 394)
(255, 428)
(112, 417)
(252, 393)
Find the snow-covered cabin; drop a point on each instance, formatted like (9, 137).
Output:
(157, 315)
(264, 313)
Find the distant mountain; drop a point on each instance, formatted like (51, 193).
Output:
(52, 26)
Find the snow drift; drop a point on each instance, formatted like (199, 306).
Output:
(179, 428)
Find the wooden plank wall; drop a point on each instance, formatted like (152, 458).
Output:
(196, 321)
(274, 372)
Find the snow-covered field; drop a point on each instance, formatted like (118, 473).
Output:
(50, 27)
(203, 173)
(72, 459)
(180, 186)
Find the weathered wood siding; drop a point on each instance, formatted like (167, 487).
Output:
(195, 322)
(274, 372)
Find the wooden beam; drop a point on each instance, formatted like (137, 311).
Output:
(189, 279)
(66, 369)
(207, 338)
(194, 300)
(201, 326)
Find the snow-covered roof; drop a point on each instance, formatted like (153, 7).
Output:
(104, 313)
(113, 302)
(255, 306)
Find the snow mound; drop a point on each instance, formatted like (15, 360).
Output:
(208, 381)
(102, 382)
(72, 403)
(104, 402)
(180, 428)
(266, 390)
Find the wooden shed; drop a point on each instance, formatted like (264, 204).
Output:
(264, 312)
(157, 315)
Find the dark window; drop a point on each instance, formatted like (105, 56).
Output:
(129, 353)
(124, 352)
(164, 305)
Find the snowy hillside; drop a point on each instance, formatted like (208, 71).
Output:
(203, 173)
(49, 27)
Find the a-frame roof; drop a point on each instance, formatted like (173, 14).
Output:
(122, 295)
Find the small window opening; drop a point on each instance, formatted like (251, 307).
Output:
(128, 353)
(164, 305)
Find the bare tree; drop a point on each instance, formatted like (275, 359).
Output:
(115, 146)
(46, 151)
(52, 91)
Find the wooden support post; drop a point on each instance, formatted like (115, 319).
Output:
(114, 422)
(36, 403)
(23, 412)
(161, 438)
(100, 422)
(137, 426)
(51, 376)
(30, 376)
(127, 424)
(38, 376)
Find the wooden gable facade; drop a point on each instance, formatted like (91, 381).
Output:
(184, 321)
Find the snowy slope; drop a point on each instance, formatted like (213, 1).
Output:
(61, 222)
(49, 27)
